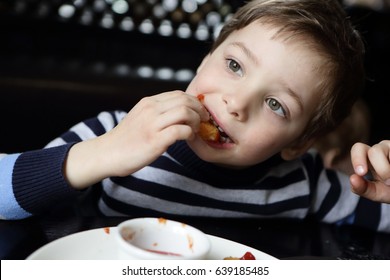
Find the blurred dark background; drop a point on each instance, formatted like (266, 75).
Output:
(64, 61)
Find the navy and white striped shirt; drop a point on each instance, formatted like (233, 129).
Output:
(179, 183)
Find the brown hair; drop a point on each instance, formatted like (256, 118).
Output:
(324, 25)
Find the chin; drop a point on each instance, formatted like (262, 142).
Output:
(201, 149)
(220, 157)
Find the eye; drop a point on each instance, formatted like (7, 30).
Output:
(235, 67)
(276, 107)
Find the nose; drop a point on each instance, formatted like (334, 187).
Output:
(237, 105)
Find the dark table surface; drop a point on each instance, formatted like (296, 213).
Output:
(283, 239)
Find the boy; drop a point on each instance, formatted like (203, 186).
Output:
(280, 75)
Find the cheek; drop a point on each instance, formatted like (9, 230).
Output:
(254, 152)
(203, 82)
(194, 88)
(259, 146)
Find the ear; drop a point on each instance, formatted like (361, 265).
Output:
(203, 63)
(296, 150)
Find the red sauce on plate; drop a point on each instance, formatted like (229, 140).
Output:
(248, 256)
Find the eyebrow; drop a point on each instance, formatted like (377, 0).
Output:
(295, 96)
(246, 51)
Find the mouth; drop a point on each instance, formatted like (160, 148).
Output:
(211, 131)
(224, 137)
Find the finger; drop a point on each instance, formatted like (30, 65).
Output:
(176, 99)
(373, 190)
(379, 159)
(359, 158)
(359, 185)
(174, 133)
(181, 116)
(168, 95)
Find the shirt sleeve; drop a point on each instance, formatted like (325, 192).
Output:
(332, 200)
(31, 182)
(90, 128)
(9, 207)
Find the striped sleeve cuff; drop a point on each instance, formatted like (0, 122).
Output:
(38, 180)
(9, 207)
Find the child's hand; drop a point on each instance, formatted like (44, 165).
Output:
(375, 159)
(151, 127)
(144, 134)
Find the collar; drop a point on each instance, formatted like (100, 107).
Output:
(216, 174)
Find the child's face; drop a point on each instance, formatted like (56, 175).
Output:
(262, 91)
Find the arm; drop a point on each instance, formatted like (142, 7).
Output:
(377, 160)
(32, 181)
(96, 149)
(143, 134)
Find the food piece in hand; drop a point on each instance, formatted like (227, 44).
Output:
(246, 256)
(207, 130)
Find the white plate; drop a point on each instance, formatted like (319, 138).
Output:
(99, 244)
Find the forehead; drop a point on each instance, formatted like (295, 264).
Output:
(261, 29)
(289, 59)
(270, 42)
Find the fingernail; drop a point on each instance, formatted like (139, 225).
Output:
(359, 170)
(387, 182)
